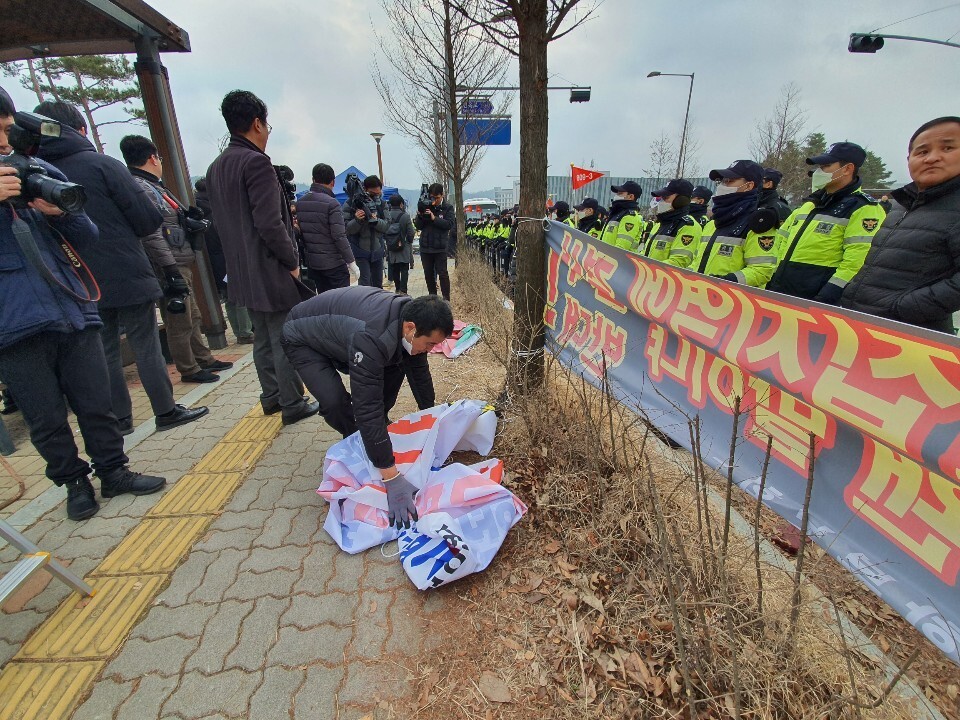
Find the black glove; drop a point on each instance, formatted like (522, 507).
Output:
(829, 294)
(729, 276)
(176, 286)
(400, 493)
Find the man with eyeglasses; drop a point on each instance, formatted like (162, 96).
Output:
(263, 263)
(824, 242)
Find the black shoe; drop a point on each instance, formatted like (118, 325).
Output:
(124, 480)
(126, 425)
(81, 500)
(218, 365)
(180, 415)
(274, 409)
(203, 376)
(304, 411)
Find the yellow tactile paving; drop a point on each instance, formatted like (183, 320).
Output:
(253, 428)
(156, 545)
(29, 691)
(93, 627)
(232, 457)
(66, 654)
(198, 494)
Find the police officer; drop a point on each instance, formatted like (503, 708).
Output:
(588, 213)
(823, 244)
(738, 243)
(770, 197)
(625, 226)
(675, 234)
(699, 204)
(562, 209)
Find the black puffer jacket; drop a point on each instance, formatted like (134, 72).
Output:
(324, 234)
(435, 232)
(358, 328)
(122, 212)
(912, 272)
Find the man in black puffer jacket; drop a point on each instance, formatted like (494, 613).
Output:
(434, 224)
(123, 213)
(330, 260)
(378, 338)
(912, 272)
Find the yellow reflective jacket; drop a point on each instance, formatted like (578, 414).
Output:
(752, 259)
(674, 241)
(624, 233)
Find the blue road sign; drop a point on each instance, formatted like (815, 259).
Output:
(484, 131)
(478, 106)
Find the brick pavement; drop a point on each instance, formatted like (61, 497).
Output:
(265, 617)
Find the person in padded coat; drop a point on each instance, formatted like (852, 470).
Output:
(377, 338)
(912, 271)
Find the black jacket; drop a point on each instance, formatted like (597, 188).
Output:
(912, 272)
(211, 238)
(325, 241)
(366, 238)
(122, 212)
(358, 329)
(435, 232)
(770, 198)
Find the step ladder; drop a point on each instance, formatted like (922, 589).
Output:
(34, 559)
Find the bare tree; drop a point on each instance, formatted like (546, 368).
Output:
(445, 51)
(525, 28)
(663, 157)
(773, 136)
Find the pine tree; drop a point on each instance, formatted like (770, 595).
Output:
(91, 82)
(874, 173)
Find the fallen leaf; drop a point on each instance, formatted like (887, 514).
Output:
(592, 600)
(535, 582)
(570, 598)
(565, 695)
(512, 644)
(373, 606)
(429, 682)
(493, 688)
(953, 691)
(552, 547)
(535, 597)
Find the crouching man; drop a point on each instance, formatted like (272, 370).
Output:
(377, 338)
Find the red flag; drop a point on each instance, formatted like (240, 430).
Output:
(581, 176)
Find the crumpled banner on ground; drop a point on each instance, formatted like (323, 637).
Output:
(464, 337)
(465, 513)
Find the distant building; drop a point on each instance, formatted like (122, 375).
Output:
(560, 187)
(504, 197)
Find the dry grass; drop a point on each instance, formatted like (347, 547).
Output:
(617, 596)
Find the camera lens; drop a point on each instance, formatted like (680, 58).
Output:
(68, 197)
(176, 306)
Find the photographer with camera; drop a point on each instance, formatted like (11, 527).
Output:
(434, 220)
(123, 213)
(364, 214)
(49, 341)
(179, 233)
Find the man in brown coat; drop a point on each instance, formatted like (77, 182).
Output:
(263, 266)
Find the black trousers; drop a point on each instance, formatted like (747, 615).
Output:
(40, 371)
(321, 376)
(435, 266)
(371, 272)
(401, 272)
(330, 279)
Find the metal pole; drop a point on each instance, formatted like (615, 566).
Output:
(683, 136)
(915, 39)
(380, 161)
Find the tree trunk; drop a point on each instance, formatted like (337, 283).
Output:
(94, 130)
(452, 114)
(527, 365)
(50, 83)
(34, 80)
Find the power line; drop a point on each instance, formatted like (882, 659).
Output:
(945, 7)
(953, 36)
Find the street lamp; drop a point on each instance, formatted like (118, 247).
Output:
(378, 136)
(686, 118)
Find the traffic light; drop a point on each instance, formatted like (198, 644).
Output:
(862, 43)
(578, 95)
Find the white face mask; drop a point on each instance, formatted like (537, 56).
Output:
(664, 207)
(726, 189)
(820, 179)
(406, 345)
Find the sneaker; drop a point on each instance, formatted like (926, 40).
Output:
(124, 480)
(304, 411)
(81, 499)
(180, 415)
(126, 425)
(274, 409)
(245, 340)
(203, 376)
(218, 365)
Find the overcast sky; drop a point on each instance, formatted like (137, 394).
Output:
(309, 62)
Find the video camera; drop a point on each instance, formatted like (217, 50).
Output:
(285, 176)
(195, 221)
(425, 200)
(24, 137)
(360, 198)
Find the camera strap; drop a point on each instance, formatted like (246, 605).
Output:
(28, 245)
